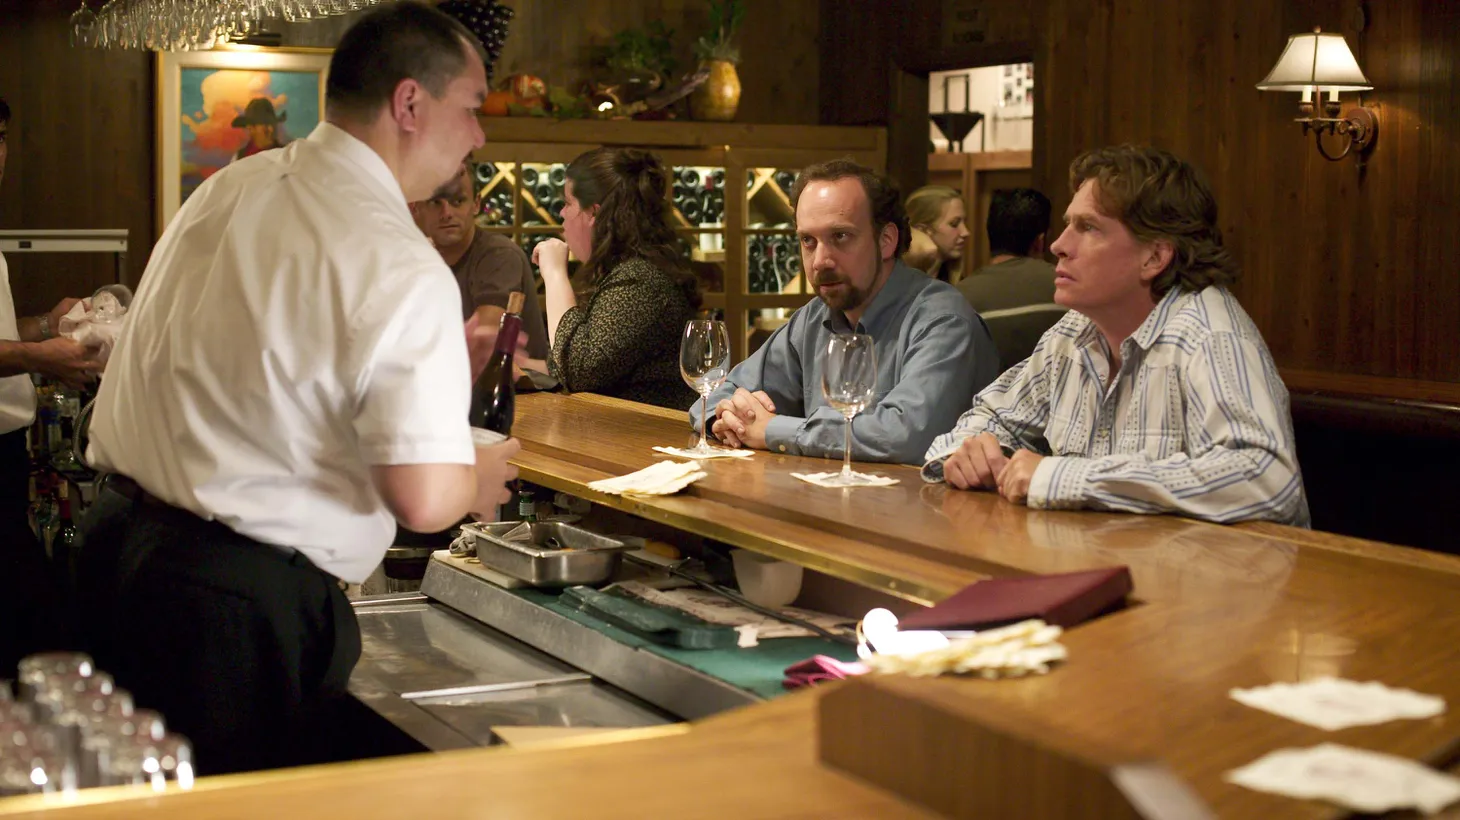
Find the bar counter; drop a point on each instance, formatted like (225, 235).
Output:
(1214, 608)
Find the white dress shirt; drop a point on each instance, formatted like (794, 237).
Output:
(1194, 422)
(17, 393)
(292, 329)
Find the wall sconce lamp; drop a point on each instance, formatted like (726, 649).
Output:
(1315, 63)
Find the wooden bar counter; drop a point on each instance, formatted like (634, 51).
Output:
(1215, 608)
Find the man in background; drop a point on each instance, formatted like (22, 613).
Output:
(1014, 292)
(27, 345)
(487, 266)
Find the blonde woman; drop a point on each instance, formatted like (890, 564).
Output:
(939, 231)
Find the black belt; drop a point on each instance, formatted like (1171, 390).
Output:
(132, 491)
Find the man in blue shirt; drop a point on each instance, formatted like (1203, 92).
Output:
(933, 351)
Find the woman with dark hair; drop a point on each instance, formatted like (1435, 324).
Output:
(624, 341)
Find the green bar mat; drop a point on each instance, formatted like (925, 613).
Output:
(759, 669)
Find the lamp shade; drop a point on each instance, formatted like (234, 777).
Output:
(1316, 60)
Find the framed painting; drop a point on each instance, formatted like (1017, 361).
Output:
(214, 107)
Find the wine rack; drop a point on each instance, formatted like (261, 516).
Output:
(738, 237)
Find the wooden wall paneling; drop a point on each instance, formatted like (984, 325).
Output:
(79, 150)
(1345, 274)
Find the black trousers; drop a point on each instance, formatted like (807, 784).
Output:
(29, 609)
(244, 649)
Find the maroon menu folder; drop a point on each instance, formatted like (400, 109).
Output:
(1065, 600)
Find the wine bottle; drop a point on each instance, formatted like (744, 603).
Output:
(66, 544)
(494, 397)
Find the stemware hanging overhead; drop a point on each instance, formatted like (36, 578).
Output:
(185, 25)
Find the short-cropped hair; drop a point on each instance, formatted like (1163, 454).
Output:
(1159, 196)
(392, 43)
(883, 195)
(1017, 216)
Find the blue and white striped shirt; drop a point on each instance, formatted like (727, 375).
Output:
(1195, 422)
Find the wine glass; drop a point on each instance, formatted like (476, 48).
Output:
(849, 381)
(82, 22)
(704, 361)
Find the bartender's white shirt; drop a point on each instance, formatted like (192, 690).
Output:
(293, 328)
(17, 393)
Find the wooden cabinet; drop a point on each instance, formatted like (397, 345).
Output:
(731, 190)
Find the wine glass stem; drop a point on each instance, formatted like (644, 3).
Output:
(704, 423)
(847, 451)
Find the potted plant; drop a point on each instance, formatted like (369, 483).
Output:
(639, 60)
(719, 97)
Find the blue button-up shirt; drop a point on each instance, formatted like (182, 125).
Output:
(933, 354)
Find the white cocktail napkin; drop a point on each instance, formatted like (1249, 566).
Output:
(716, 452)
(1335, 703)
(1357, 779)
(822, 479)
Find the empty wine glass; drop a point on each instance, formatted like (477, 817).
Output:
(849, 381)
(82, 22)
(704, 361)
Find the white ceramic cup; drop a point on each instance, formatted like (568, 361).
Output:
(766, 581)
(482, 437)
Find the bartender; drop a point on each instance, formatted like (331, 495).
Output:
(28, 345)
(293, 383)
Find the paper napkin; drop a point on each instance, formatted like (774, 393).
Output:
(1354, 778)
(821, 479)
(664, 478)
(690, 452)
(1335, 703)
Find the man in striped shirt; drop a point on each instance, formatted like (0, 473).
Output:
(1155, 393)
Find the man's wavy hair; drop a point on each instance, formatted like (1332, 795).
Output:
(1159, 196)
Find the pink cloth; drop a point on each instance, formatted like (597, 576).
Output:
(820, 668)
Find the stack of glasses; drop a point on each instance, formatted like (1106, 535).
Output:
(66, 726)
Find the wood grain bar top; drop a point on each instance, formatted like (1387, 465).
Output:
(1217, 607)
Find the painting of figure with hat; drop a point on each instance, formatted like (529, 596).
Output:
(229, 114)
(262, 124)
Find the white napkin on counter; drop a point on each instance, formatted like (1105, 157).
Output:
(1335, 703)
(1026, 648)
(1357, 779)
(689, 452)
(664, 478)
(822, 479)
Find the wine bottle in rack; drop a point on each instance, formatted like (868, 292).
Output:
(543, 193)
(558, 174)
(485, 171)
(717, 179)
(690, 178)
(691, 210)
(784, 180)
(529, 178)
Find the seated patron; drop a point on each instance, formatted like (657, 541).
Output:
(1155, 393)
(933, 352)
(487, 266)
(1014, 292)
(939, 231)
(624, 340)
